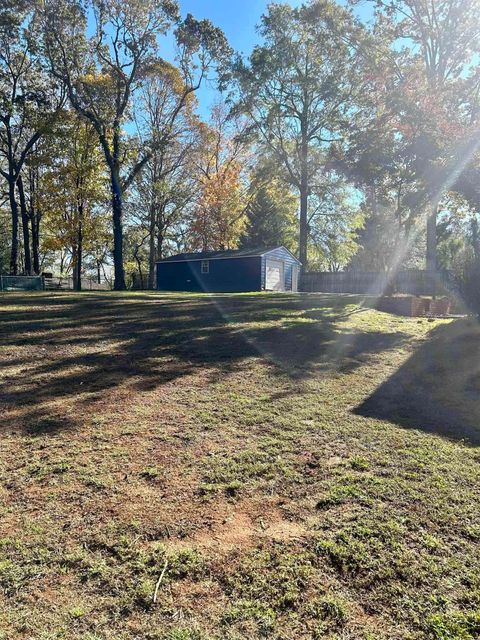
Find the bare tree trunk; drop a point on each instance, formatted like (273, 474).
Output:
(117, 212)
(303, 239)
(78, 264)
(34, 216)
(25, 226)
(431, 253)
(77, 257)
(151, 249)
(74, 271)
(14, 236)
(160, 239)
(303, 236)
(476, 240)
(35, 224)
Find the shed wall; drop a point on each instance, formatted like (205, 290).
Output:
(226, 275)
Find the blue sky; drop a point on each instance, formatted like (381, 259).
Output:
(237, 19)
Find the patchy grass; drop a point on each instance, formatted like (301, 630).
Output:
(291, 467)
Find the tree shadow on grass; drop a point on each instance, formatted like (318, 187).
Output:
(80, 348)
(438, 389)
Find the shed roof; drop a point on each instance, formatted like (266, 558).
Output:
(219, 255)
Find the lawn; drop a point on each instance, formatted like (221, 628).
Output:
(185, 467)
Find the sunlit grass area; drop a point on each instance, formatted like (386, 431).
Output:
(185, 467)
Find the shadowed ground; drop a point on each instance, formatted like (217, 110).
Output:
(90, 344)
(279, 466)
(438, 388)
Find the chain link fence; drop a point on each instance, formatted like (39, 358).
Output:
(40, 283)
(21, 283)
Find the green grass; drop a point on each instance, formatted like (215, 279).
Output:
(291, 467)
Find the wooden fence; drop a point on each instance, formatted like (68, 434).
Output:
(411, 281)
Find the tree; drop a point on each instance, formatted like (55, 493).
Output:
(4, 234)
(271, 212)
(102, 72)
(372, 158)
(298, 88)
(160, 203)
(165, 186)
(378, 238)
(29, 104)
(218, 218)
(36, 164)
(334, 220)
(136, 255)
(436, 43)
(74, 191)
(458, 246)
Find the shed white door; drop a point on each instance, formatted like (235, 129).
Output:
(274, 277)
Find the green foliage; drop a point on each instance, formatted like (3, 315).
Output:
(271, 212)
(372, 129)
(457, 625)
(274, 576)
(359, 463)
(245, 467)
(298, 89)
(30, 101)
(73, 191)
(100, 75)
(76, 613)
(335, 218)
(255, 610)
(377, 238)
(332, 613)
(458, 242)
(183, 634)
(150, 473)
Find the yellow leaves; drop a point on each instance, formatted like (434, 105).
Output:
(221, 186)
(101, 88)
(97, 80)
(167, 73)
(74, 187)
(219, 218)
(220, 209)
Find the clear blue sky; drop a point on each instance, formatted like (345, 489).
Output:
(236, 18)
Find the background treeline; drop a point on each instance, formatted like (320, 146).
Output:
(350, 135)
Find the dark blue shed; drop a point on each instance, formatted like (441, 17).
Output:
(273, 269)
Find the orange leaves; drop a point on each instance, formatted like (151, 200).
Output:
(219, 215)
(219, 218)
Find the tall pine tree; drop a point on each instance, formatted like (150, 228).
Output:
(271, 214)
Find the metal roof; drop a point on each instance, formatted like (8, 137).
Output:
(219, 255)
